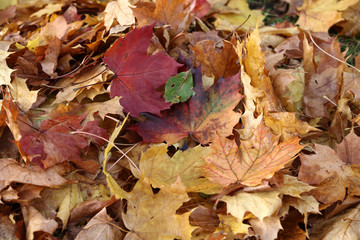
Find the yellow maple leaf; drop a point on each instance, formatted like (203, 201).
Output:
(152, 216)
(234, 13)
(155, 165)
(320, 15)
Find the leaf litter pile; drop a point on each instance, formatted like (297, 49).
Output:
(178, 120)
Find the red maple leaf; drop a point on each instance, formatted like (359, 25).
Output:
(204, 116)
(54, 143)
(138, 75)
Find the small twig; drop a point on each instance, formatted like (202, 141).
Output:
(122, 156)
(93, 135)
(234, 30)
(313, 41)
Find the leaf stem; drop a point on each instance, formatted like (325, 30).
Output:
(124, 154)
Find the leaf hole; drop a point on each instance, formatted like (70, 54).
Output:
(172, 85)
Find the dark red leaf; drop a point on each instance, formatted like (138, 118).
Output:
(54, 143)
(138, 75)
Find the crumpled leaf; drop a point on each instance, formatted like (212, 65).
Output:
(152, 216)
(266, 204)
(322, 79)
(35, 221)
(254, 62)
(200, 117)
(119, 10)
(138, 75)
(254, 160)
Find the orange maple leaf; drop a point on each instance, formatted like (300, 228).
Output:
(254, 160)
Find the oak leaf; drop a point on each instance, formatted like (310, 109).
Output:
(138, 75)
(254, 160)
(200, 117)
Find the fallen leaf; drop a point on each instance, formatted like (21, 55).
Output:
(138, 75)
(119, 10)
(342, 226)
(348, 150)
(179, 88)
(234, 13)
(11, 171)
(216, 62)
(5, 71)
(254, 62)
(320, 15)
(175, 13)
(155, 165)
(53, 143)
(22, 95)
(47, 10)
(322, 80)
(200, 117)
(330, 174)
(152, 216)
(254, 160)
(268, 228)
(287, 125)
(100, 227)
(35, 221)
(88, 83)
